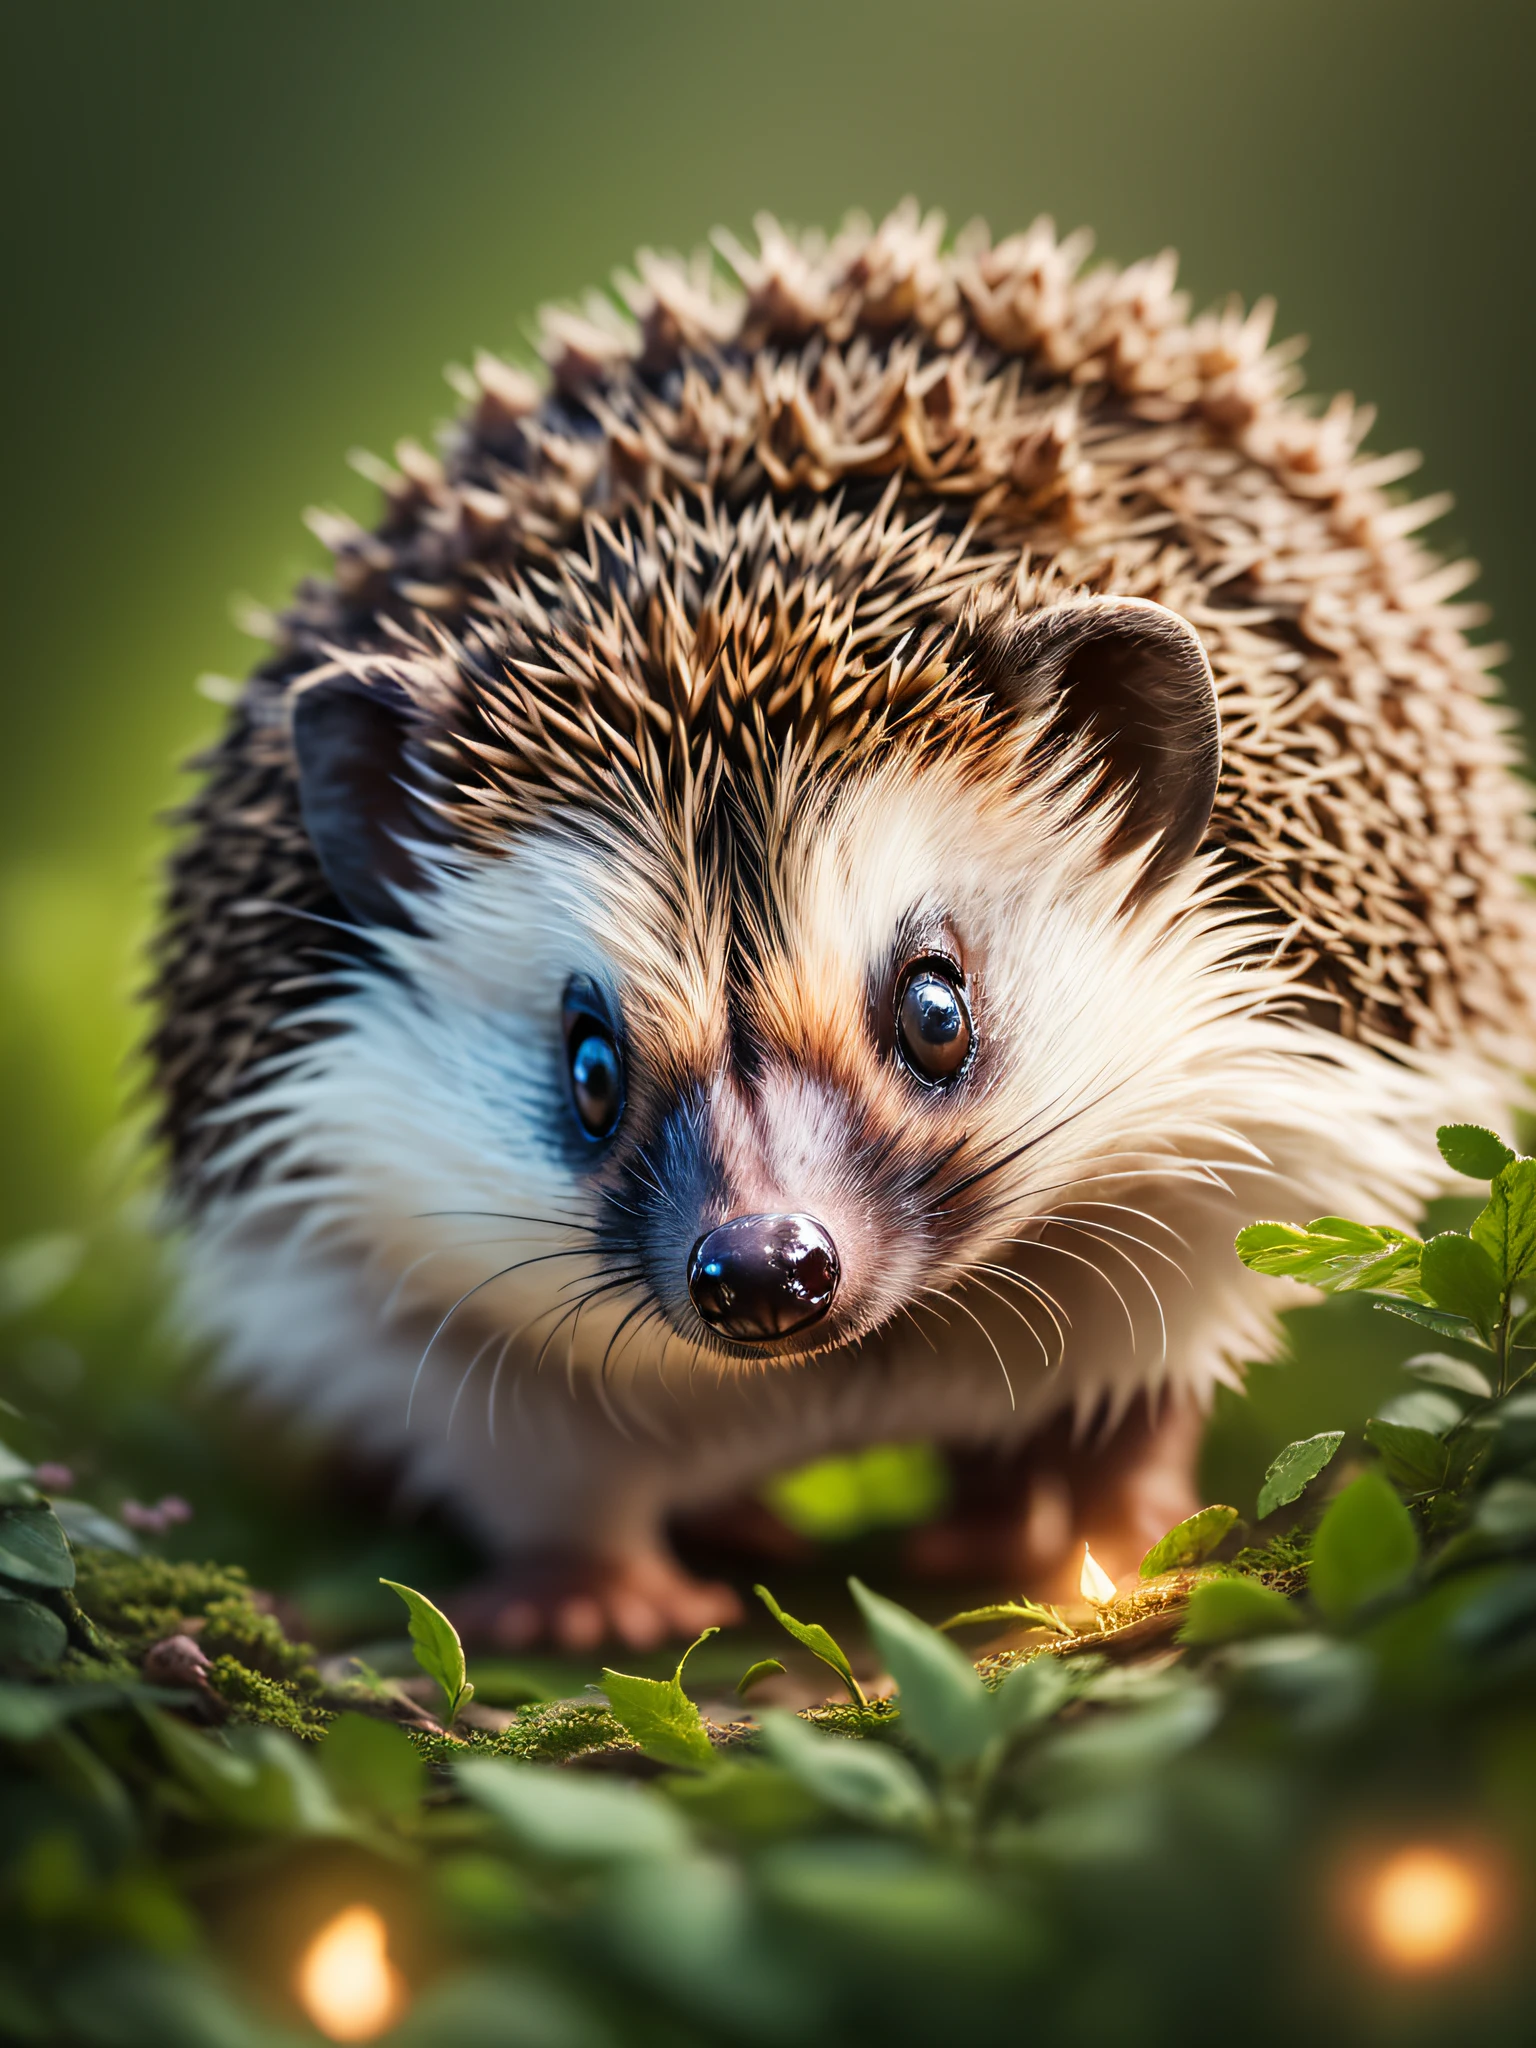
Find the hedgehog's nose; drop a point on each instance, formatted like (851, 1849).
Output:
(760, 1277)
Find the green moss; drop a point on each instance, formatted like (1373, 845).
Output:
(550, 1733)
(134, 1602)
(846, 1717)
(1282, 1562)
(252, 1696)
(141, 1600)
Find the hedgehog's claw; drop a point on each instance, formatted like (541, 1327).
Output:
(576, 1603)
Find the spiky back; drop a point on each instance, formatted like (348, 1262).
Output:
(770, 517)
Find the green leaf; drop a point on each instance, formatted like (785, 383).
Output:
(33, 1548)
(1458, 1275)
(1224, 1610)
(945, 1708)
(371, 1765)
(1189, 1542)
(88, 1528)
(1422, 1408)
(1473, 1150)
(1334, 1254)
(256, 1778)
(436, 1643)
(1441, 1370)
(1434, 1319)
(1029, 1612)
(573, 1819)
(758, 1799)
(1292, 1472)
(1413, 1458)
(765, 1667)
(815, 1639)
(1031, 1693)
(481, 2005)
(29, 1712)
(1506, 1229)
(867, 1781)
(30, 1633)
(1507, 1512)
(1365, 1546)
(660, 1715)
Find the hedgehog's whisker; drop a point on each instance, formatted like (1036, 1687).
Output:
(391, 1300)
(479, 1287)
(1013, 1309)
(1044, 1244)
(966, 1310)
(464, 1379)
(1036, 1293)
(1105, 1231)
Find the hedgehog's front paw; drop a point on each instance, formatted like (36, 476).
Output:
(578, 1602)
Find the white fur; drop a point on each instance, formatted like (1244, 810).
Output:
(1180, 1081)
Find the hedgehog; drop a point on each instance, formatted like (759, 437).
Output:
(792, 892)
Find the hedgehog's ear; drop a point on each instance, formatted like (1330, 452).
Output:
(1132, 678)
(349, 740)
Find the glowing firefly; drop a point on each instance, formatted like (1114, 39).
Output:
(1426, 1908)
(347, 1984)
(1095, 1584)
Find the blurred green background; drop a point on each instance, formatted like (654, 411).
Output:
(241, 239)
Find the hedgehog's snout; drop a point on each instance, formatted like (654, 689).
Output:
(757, 1278)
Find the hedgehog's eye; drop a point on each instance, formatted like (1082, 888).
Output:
(595, 1062)
(597, 1084)
(933, 1020)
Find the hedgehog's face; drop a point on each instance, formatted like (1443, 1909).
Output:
(763, 1092)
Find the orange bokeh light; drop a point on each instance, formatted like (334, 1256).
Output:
(1426, 1908)
(346, 1983)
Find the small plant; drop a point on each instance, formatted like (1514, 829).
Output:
(1477, 1287)
(813, 1637)
(435, 1642)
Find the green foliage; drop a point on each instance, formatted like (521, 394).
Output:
(1334, 1254)
(864, 1781)
(813, 1637)
(945, 1708)
(1472, 1150)
(1027, 1613)
(371, 1766)
(1187, 1544)
(1412, 1458)
(438, 1650)
(567, 1819)
(659, 1714)
(31, 1635)
(1460, 1277)
(942, 1866)
(1365, 1547)
(1222, 1610)
(33, 1548)
(1441, 1370)
(765, 1667)
(1506, 1229)
(1294, 1469)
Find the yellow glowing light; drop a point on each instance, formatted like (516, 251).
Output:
(348, 1985)
(1426, 1908)
(1095, 1584)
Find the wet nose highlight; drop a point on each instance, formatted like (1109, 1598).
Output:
(760, 1277)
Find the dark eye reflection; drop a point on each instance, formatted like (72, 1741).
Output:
(933, 1021)
(596, 1065)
